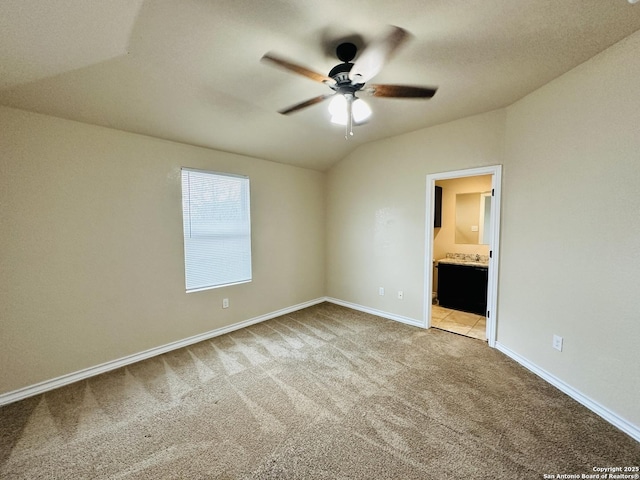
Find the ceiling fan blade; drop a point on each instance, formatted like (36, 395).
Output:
(305, 104)
(374, 57)
(299, 69)
(399, 91)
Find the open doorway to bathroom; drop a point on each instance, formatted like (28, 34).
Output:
(462, 251)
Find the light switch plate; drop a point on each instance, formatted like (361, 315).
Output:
(557, 342)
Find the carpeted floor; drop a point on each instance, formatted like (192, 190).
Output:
(325, 392)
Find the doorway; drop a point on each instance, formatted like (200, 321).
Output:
(490, 232)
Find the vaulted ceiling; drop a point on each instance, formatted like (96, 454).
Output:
(190, 70)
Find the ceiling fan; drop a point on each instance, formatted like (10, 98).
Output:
(347, 78)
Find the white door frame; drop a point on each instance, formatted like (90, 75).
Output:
(494, 246)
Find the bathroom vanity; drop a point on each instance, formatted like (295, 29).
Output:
(462, 283)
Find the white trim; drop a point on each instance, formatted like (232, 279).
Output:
(16, 395)
(63, 380)
(224, 174)
(492, 286)
(627, 427)
(378, 313)
(617, 421)
(494, 246)
(221, 285)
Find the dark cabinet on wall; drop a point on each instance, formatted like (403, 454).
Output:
(463, 287)
(437, 208)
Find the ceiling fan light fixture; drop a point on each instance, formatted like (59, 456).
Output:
(361, 111)
(339, 119)
(338, 108)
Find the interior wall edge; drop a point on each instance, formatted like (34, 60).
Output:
(614, 419)
(67, 379)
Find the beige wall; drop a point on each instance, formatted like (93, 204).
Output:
(91, 252)
(570, 260)
(376, 209)
(570, 236)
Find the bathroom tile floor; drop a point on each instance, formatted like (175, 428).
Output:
(464, 323)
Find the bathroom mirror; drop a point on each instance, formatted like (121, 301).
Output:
(473, 218)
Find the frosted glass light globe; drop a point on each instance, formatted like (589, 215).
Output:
(338, 110)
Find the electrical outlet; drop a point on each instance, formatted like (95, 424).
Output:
(400, 294)
(557, 342)
(225, 303)
(381, 291)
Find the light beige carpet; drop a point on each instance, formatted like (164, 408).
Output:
(325, 392)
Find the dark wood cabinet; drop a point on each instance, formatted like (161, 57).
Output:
(463, 287)
(437, 209)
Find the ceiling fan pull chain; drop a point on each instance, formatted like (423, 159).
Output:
(349, 127)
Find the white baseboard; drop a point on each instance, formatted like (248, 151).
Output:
(378, 313)
(47, 385)
(619, 422)
(29, 391)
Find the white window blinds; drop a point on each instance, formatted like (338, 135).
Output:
(217, 229)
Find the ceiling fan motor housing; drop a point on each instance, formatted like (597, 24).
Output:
(340, 73)
(344, 85)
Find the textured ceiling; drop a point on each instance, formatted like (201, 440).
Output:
(190, 70)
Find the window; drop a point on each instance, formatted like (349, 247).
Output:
(217, 229)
